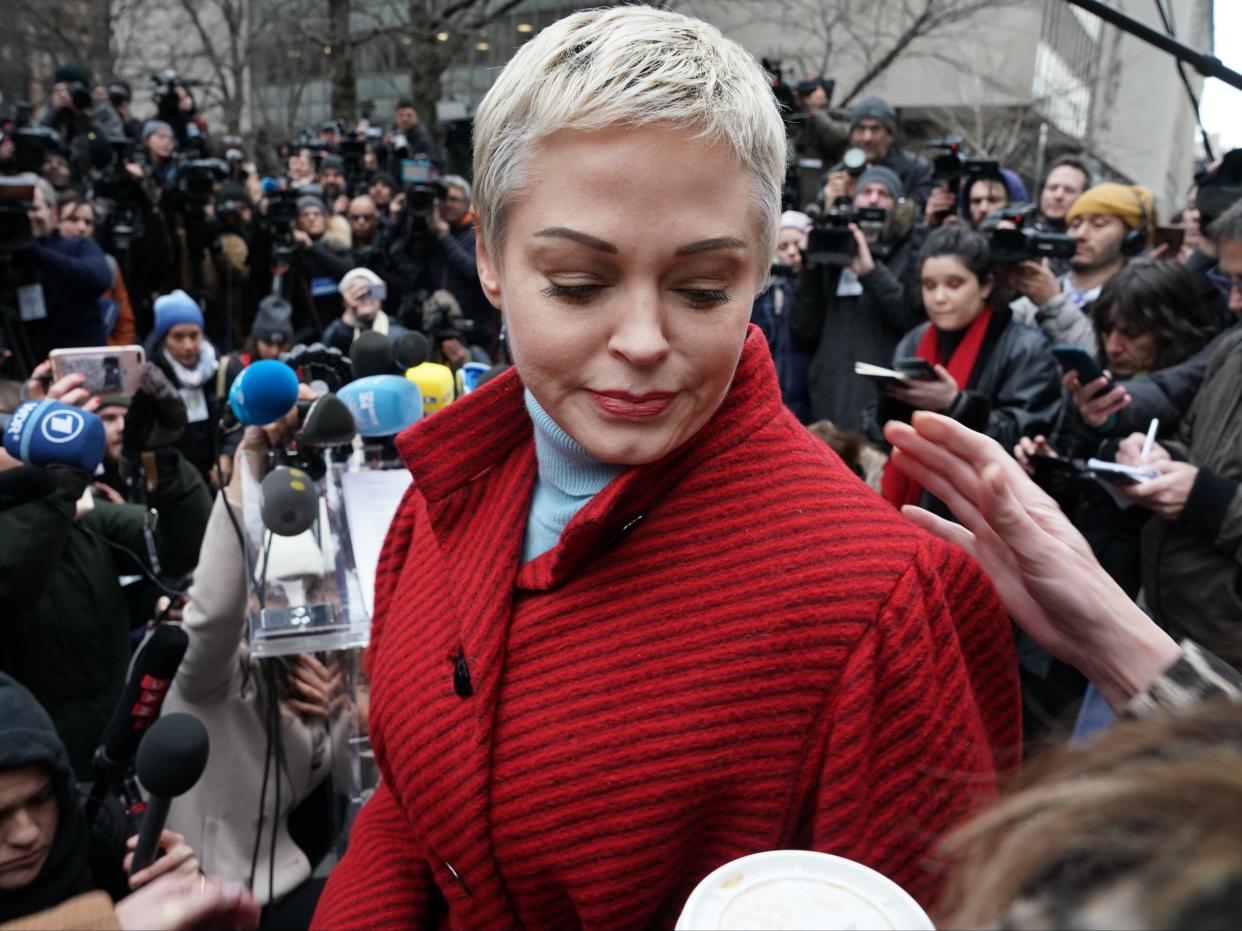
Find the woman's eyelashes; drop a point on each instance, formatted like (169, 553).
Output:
(582, 293)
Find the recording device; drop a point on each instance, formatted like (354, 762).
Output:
(470, 376)
(16, 198)
(171, 759)
(949, 168)
(855, 161)
(1026, 243)
(328, 424)
(151, 674)
(1077, 359)
(371, 354)
(47, 432)
(288, 502)
(436, 384)
(197, 177)
(382, 405)
(107, 370)
(30, 146)
(832, 243)
(411, 349)
(1221, 189)
(23, 485)
(324, 367)
(264, 392)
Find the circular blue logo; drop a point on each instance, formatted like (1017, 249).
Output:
(62, 426)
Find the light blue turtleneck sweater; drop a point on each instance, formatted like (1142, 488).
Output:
(568, 478)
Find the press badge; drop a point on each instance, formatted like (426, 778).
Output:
(195, 404)
(30, 303)
(849, 285)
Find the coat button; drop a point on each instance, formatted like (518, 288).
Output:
(457, 876)
(461, 675)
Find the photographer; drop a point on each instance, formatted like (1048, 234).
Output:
(873, 128)
(120, 95)
(410, 136)
(1111, 223)
(772, 308)
(66, 635)
(857, 313)
(822, 133)
(363, 292)
(332, 181)
(322, 256)
(226, 265)
(983, 195)
(77, 113)
(63, 310)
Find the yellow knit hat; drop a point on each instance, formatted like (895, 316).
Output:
(1131, 203)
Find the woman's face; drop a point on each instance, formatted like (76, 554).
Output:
(183, 342)
(629, 266)
(269, 350)
(790, 246)
(952, 294)
(77, 221)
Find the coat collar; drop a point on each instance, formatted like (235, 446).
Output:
(461, 444)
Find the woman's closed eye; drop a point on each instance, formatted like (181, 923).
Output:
(581, 293)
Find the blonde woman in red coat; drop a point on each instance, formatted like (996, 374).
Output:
(632, 620)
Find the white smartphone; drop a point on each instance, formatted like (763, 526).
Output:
(108, 369)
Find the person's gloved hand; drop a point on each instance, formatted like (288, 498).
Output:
(156, 416)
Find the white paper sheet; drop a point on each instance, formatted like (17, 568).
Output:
(371, 500)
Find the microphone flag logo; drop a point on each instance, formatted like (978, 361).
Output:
(62, 426)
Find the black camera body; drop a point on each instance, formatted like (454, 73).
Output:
(1027, 242)
(30, 147)
(950, 167)
(197, 177)
(421, 197)
(831, 241)
(16, 198)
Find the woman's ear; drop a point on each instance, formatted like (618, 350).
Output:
(489, 276)
(985, 288)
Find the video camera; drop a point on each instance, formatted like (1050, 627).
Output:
(951, 167)
(31, 144)
(164, 89)
(16, 197)
(1026, 243)
(124, 220)
(197, 177)
(352, 150)
(832, 243)
(282, 214)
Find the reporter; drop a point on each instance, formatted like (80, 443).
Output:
(49, 852)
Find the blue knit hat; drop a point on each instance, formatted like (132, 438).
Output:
(172, 309)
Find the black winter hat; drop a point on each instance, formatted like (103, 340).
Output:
(274, 321)
(72, 72)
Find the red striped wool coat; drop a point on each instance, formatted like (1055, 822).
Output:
(735, 649)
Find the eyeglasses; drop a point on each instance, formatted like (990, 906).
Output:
(364, 216)
(1226, 283)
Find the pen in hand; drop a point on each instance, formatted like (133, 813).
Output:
(1149, 439)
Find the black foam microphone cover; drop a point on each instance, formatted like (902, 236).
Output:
(24, 484)
(171, 759)
(411, 349)
(150, 676)
(328, 423)
(371, 354)
(288, 502)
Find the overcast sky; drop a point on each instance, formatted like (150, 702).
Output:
(1221, 105)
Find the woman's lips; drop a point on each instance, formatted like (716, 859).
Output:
(632, 406)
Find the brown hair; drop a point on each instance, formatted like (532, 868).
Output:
(1140, 828)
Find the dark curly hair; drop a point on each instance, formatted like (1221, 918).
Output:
(1154, 296)
(964, 244)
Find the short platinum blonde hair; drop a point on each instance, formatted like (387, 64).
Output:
(627, 66)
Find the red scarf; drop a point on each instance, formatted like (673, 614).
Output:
(897, 487)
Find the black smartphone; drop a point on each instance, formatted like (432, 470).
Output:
(915, 368)
(1077, 359)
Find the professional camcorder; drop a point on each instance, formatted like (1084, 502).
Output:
(16, 197)
(831, 242)
(952, 166)
(1026, 242)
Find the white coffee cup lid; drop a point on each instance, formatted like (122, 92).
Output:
(799, 889)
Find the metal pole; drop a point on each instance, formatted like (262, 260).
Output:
(1207, 65)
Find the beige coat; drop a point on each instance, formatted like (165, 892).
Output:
(222, 685)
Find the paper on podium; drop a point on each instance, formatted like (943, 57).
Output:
(371, 500)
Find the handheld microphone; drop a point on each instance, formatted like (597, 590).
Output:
(23, 485)
(151, 674)
(371, 354)
(411, 349)
(436, 382)
(47, 432)
(288, 502)
(328, 424)
(171, 759)
(263, 392)
(383, 405)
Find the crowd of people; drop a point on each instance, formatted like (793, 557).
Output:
(1046, 383)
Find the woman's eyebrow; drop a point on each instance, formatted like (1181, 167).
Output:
(585, 239)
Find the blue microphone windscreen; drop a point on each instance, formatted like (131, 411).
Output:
(263, 392)
(383, 405)
(47, 432)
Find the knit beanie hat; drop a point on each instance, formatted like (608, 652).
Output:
(332, 161)
(307, 201)
(155, 126)
(364, 273)
(172, 309)
(796, 220)
(274, 321)
(71, 72)
(874, 108)
(1132, 203)
(881, 174)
